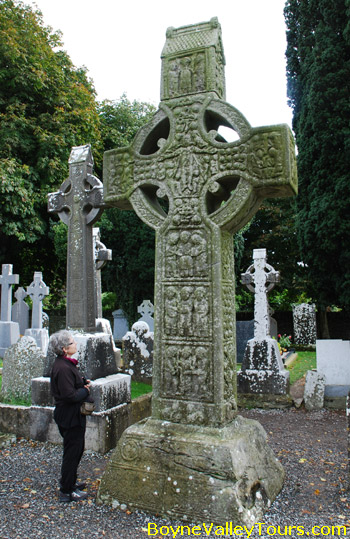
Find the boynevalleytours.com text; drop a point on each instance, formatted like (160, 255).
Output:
(229, 529)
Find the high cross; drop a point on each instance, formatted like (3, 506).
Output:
(78, 204)
(261, 278)
(196, 189)
(7, 279)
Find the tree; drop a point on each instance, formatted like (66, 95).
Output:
(46, 107)
(318, 72)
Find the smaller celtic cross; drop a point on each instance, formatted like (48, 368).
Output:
(261, 278)
(37, 292)
(79, 204)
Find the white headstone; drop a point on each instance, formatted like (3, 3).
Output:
(138, 352)
(20, 310)
(146, 310)
(37, 292)
(9, 331)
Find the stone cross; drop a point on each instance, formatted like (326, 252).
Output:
(101, 255)
(195, 189)
(20, 310)
(37, 292)
(146, 310)
(261, 278)
(194, 458)
(7, 279)
(79, 204)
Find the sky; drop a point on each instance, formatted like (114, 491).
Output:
(120, 43)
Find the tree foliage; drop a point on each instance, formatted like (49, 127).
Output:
(318, 70)
(46, 107)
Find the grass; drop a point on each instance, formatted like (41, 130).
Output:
(138, 389)
(303, 363)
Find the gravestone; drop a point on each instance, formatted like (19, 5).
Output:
(20, 310)
(262, 367)
(195, 458)
(146, 310)
(102, 255)
(120, 324)
(333, 361)
(304, 323)
(244, 332)
(37, 292)
(9, 331)
(79, 203)
(138, 352)
(314, 390)
(23, 361)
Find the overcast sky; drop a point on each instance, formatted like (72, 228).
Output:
(120, 43)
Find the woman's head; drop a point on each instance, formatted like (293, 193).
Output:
(61, 342)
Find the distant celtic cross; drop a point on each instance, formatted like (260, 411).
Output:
(37, 291)
(7, 280)
(261, 278)
(195, 189)
(79, 204)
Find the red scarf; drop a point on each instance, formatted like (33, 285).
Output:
(72, 359)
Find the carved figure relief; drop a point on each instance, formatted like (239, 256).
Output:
(186, 254)
(265, 155)
(186, 311)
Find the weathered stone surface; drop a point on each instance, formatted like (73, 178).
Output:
(101, 256)
(348, 429)
(314, 390)
(333, 360)
(186, 472)
(304, 323)
(96, 355)
(120, 324)
(22, 362)
(78, 204)
(211, 189)
(138, 352)
(262, 369)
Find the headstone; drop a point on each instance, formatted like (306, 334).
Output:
(102, 255)
(262, 367)
(22, 362)
(37, 292)
(20, 310)
(244, 332)
(78, 204)
(304, 323)
(314, 390)
(146, 310)
(138, 352)
(120, 324)
(333, 360)
(9, 331)
(194, 458)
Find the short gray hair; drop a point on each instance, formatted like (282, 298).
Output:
(60, 340)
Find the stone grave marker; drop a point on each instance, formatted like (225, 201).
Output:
(20, 310)
(146, 310)
(195, 458)
(120, 324)
(262, 367)
(102, 255)
(23, 361)
(37, 292)
(138, 352)
(304, 323)
(314, 390)
(9, 331)
(244, 332)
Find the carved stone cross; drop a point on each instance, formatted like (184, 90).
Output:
(194, 458)
(37, 291)
(7, 279)
(261, 278)
(79, 204)
(195, 189)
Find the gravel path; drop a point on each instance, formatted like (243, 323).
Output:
(311, 446)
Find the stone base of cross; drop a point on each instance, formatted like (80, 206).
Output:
(262, 369)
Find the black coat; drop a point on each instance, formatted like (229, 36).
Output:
(67, 388)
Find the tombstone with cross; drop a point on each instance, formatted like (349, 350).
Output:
(196, 190)
(9, 331)
(20, 310)
(146, 310)
(37, 291)
(79, 203)
(262, 367)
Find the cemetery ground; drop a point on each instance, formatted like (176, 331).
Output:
(312, 446)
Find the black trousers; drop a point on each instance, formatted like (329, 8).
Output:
(73, 449)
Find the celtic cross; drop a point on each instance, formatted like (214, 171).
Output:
(79, 204)
(196, 190)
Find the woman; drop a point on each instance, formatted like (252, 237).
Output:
(69, 390)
